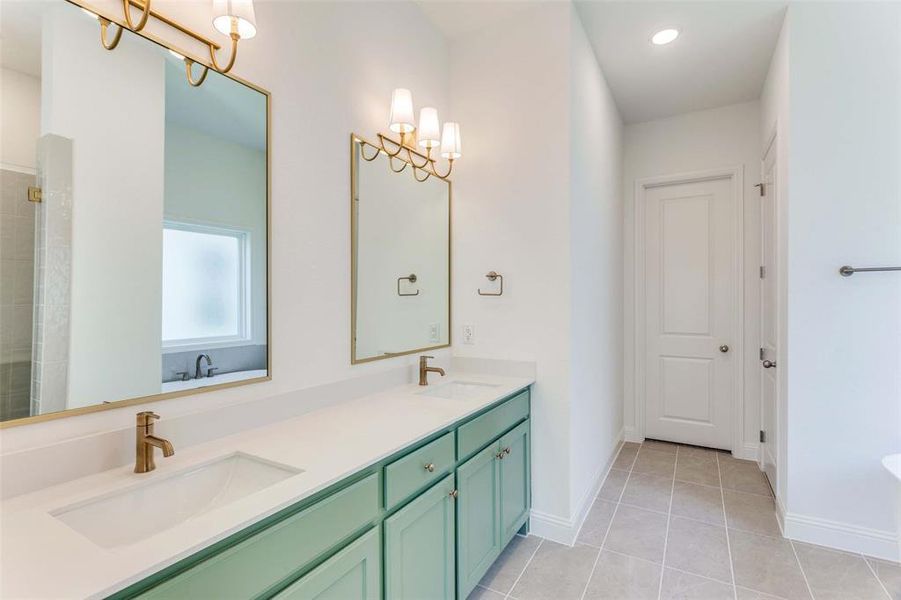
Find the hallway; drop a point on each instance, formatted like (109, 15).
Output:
(699, 517)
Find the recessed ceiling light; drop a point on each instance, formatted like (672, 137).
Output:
(664, 36)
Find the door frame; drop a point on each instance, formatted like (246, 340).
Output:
(736, 174)
(772, 146)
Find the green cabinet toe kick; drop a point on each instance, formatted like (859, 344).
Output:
(427, 522)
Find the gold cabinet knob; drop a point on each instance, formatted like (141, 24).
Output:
(500, 455)
(430, 467)
(453, 494)
(507, 450)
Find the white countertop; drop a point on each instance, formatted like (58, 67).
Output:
(43, 558)
(892, 462)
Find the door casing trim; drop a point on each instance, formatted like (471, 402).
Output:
(736, 174)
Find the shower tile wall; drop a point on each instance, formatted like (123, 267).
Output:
(50, 376)
(17, 231)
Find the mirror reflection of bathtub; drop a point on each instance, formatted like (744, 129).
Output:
(190, 384)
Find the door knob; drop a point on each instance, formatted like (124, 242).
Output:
(768, 364)
(724, 348)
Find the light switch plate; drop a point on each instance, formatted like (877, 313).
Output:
(434, 332)
(468, 334)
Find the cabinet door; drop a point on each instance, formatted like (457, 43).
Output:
(478, 530)
(419, 547)
(514, 481)
(355, 573)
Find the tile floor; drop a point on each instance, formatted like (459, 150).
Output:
(682, 522)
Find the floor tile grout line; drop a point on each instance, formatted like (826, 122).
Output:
(801, 568)
(610, 524)
(719, 475)
(876, 575)
(750, 589)
(669, 517)
(525, 566)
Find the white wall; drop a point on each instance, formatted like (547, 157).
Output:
(844, 334)
(596, 256)
(331, 68)
(536, 198)
(213, 181)
(20, 119)
(702, 140)
(511, 215)
(117, 203)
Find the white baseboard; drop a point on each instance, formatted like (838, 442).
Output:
(750, 451)
(841, 536)
(630, 434)
(565, 531)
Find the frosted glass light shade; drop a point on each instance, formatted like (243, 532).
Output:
(451, 147)
(429, 128)
(401, 119)
(240, 12)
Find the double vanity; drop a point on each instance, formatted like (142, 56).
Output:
(408, 493)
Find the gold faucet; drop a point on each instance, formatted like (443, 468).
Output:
(425, 369)
(146, 441)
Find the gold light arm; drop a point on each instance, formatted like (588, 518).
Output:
(363, 152)
(391, 164)
(231, 61)
(415, 176)
(189, 72)
(413, 162)
(450, 167)
(104, 30)
(145, 13)
(400, 147)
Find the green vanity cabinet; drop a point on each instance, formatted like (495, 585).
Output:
(355, 573)
(478, 530)
(425, 523)
(515, 481)
(420, 544)
(493, 504)
(260, 563)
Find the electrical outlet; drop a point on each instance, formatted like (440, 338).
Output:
(435, 332)
(468, 334)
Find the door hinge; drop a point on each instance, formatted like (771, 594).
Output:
(762, 436)
(34, 194)
(761, 354)
(762, 187)
(762, 272)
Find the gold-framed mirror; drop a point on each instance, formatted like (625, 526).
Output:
(400, 257)
(135, 218)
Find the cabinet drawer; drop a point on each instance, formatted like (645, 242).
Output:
(251, 567)
(355, 573)
(412, 472)
(474, 435)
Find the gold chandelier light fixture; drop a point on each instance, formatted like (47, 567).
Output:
(416, 146)
(234, 18)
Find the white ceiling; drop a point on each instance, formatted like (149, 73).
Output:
(457, 18)
(721, 56)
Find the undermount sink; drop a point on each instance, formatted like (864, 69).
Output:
(458, 390)
(132, 515)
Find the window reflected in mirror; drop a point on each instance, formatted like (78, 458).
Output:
(140, 267)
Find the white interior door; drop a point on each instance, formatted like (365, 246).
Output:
(691, 311)
(768, 312)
